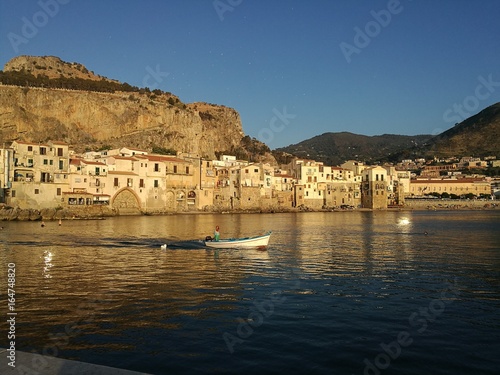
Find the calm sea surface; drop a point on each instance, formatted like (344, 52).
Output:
(335, 293)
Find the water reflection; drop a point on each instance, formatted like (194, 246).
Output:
(344, 276)
(47, 257)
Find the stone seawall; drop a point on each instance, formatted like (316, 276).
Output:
(452, 204)
(95, 212)
(16, 213)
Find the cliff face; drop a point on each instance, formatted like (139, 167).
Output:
(93, 120)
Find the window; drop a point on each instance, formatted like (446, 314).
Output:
(13, 193)
(141, 183)
(129, 182)
(37, 191)
(58, 191)
(175, 168)
(157, 167)
(61, 164)
(43, 151)
(45, 162)
(187, 170)
(30, 148)
(59, 151)
(51, 162)
(156, 183)
(256, 170)
(115, 183)
(376, 177)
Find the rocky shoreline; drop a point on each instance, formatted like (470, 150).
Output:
(29, 214)
(100, 212)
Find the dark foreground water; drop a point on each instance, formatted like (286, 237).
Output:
(335, 293)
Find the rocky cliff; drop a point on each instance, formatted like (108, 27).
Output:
(93, 120)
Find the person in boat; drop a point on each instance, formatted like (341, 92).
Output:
(216, 233)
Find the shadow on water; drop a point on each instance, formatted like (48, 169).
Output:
(111, 242)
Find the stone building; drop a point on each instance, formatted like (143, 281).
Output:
(374, 188)
(40, 174)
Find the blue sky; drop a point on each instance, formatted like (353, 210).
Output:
(292, 69)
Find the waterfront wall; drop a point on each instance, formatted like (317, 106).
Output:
(282, 203)
(452, 204)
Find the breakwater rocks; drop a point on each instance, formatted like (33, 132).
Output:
(15, 213)
(439, 204)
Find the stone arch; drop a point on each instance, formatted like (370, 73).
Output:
(126, 202)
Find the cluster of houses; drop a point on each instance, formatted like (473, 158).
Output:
(129, 181)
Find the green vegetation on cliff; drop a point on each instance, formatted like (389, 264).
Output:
(25, 79)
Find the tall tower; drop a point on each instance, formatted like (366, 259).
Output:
(374, 188)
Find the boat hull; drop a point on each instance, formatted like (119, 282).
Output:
(240, 243)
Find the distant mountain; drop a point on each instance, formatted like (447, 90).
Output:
(336, 148)
(478, 135)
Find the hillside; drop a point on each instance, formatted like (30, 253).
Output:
(93, 112)
(52, 67)
(335, 148)
(476, 136)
